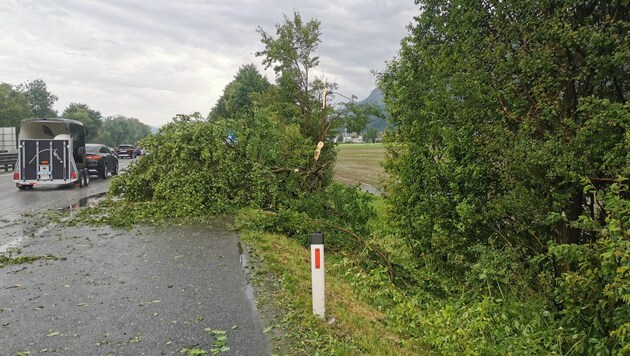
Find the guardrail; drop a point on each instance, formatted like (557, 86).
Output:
(8, 161)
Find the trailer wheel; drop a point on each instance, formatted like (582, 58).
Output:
(81, 180)
(86, 174)
(115, 171)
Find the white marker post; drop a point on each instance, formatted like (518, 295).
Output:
(317, 274)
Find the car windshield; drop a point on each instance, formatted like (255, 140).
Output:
(92, 149)
(124, 146)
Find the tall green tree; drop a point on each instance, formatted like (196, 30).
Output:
(297, 97)
(502, 108)
(371, 134)
(40, 100)
(291, 54)
(237, 100)
(14, 106)
(78, 107)
(89, 117)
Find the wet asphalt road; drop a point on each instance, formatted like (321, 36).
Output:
(147, 291)
(14, 202)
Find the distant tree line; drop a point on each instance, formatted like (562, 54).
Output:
(33, 100)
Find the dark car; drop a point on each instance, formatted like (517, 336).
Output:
(100, 160)
(126, 151)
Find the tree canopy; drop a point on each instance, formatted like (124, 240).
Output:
(291, 54)
(90, 118)
(118, 130)
(40, 100)
(297, 97)
(356, 116)
(503, 110)
(14, 106)
(237, 100)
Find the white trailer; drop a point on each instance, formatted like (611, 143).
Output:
(51, 152)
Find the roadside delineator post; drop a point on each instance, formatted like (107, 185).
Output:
(317, 274)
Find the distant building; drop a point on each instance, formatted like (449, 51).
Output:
(350, 137)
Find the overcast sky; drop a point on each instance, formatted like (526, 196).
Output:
(154, 59)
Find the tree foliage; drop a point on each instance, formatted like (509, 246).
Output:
(40, 100)
(236, 101)
(120, 130)
(14, 106)
(502, 109)
(297, 97)
(78, 107)
(257, 148)
(371, 134)
(192, 172)
(89, 117)
(595, 294)
(291, 54)
(356, 116)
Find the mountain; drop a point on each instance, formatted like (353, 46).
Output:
(376, 97)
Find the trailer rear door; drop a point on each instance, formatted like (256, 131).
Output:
(44, 160)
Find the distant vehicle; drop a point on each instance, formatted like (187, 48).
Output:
(126, 151)
(100, 160)
(8, 139)
(51, 152)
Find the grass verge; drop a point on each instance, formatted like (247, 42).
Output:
(353, 327)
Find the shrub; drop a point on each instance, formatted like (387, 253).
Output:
(341, 213)
(594, 296)
(199, 168)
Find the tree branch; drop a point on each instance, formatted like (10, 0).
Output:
(360, 240)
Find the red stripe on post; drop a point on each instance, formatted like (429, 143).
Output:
(317, 264)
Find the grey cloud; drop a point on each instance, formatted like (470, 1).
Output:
(154, 59)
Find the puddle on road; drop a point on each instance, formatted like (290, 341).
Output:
(13, 233)
(91, 200)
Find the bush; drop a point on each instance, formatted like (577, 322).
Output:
(192, 171)
(199, 168)
(594, 296)
(340, 212)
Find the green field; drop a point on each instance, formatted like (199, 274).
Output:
(360, 163)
